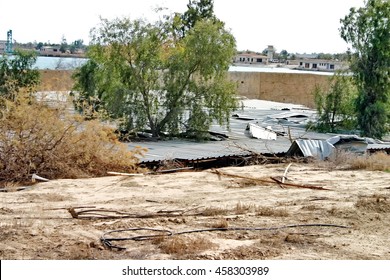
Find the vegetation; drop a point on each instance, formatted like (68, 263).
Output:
(17, 73)
(153, 80)
(37, 138)
(367, 29)
(197, 10)
(335, 105)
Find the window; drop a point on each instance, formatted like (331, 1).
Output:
(314, 66)
(259, 60)
(331, 66)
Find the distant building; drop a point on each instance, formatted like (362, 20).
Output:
(320, 65)
(50, 51)
(250, 58)
(270, 53)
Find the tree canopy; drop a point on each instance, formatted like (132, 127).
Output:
(335, 105)
(16, 73)
(197, 10)
(144, 74)
(367, 29)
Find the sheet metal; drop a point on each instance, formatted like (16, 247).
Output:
(311, 148)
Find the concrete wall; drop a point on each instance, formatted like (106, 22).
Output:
(280, 87)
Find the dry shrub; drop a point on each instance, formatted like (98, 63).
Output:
(244, 208)
(222, 223)
(271, 212)
(375, 162)
(375, 203)
(379, 161)
(181, 245)
(214, 211)
(35, 138)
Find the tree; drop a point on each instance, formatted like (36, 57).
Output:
(64, 44)
(141, 72)
(39, 46)
(335, 105)
(76, 45)
(367, 29)
(284, 55)
(197, 10)
(17, 73)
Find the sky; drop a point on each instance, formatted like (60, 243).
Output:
(298, 26)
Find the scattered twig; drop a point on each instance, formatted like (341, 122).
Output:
(274, 180)
(153, 201)
(114, 214)
(124, 174)
(300, 186)
(171, 170)
(285, 172)
(167, 233)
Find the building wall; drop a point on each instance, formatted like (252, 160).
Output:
(280, 87)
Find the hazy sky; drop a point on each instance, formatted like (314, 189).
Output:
(294, 25)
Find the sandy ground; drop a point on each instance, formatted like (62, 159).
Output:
(35, 223)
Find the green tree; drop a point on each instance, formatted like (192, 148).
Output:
(16, 73)
(335, 105)
(196, 10)
(142, 73)
(367, 29)
(64, 44)
(39, 46)
(284, 55)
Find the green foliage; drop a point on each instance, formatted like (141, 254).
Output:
(335, 105)
(367, 29)
(64, 44)
(197, 10)
(142, 73)
(16, 72)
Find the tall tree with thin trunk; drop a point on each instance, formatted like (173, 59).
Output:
(153, 80)
(367, 29)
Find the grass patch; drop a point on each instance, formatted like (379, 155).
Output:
(180, 245)
(375, 203)
(271, 212)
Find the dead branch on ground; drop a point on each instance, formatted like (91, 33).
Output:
(273, 180)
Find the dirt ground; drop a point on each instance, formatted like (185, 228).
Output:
(242, 218)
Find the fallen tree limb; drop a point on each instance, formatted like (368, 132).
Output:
(273, 181)
(124, 174)
(114, 214)
(300, 186)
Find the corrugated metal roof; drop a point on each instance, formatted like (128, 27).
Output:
(239, 143)
(321, 149)
(378, 147)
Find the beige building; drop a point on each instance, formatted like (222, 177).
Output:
(50, 51)
(320, 65)
(250, 58)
